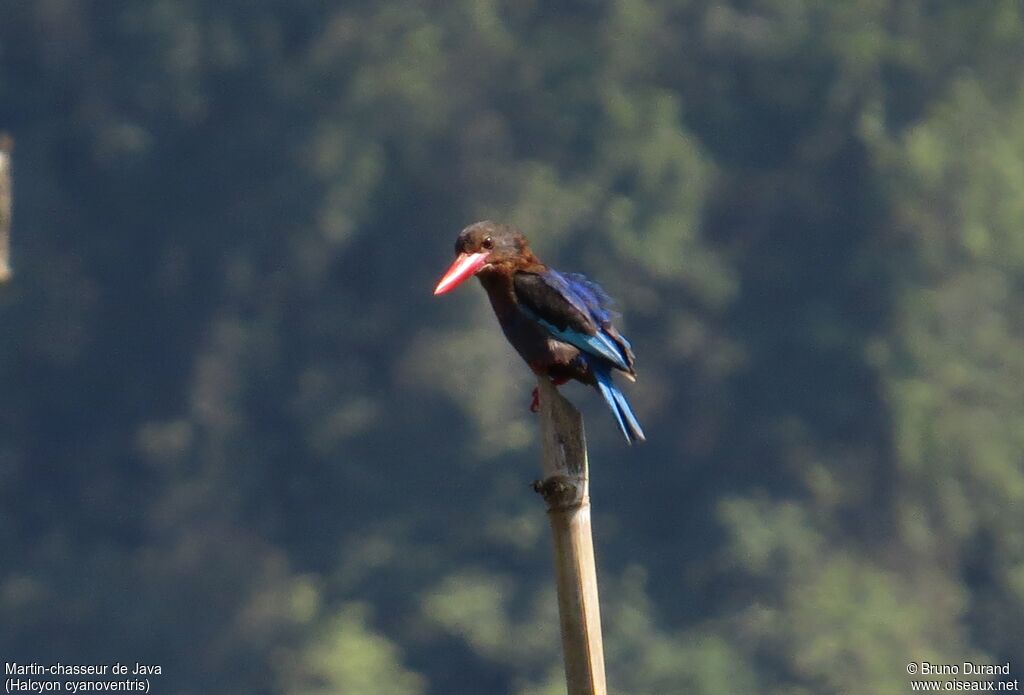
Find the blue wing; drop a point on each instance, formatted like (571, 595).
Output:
(574, 310)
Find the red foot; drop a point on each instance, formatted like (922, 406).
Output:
(535, 403)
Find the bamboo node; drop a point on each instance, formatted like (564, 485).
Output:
(559, 492)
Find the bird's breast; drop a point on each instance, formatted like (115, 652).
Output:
(535, 345)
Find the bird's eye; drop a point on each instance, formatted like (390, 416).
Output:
(488, 243)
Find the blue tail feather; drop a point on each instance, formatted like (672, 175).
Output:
(618, 404)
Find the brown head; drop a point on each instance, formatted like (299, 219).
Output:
(482, 247)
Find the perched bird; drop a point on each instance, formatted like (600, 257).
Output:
(560, 323)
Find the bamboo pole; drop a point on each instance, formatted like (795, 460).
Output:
(5, 207)
(566, 490)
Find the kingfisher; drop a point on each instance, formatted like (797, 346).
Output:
(559, 323)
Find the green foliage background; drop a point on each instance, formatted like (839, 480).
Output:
(240, 439)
